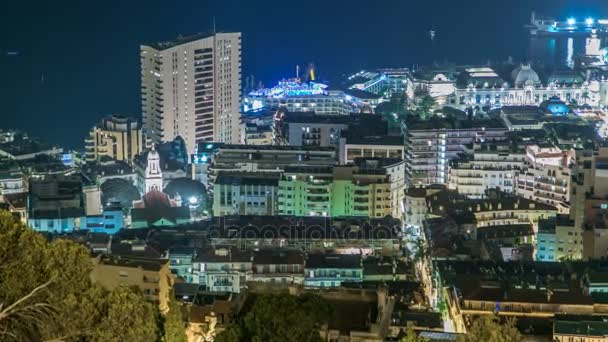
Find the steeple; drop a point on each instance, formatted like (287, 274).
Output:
(154, 174)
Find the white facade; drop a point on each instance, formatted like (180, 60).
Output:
(483, 87)
(546, 177)
(92, 200)
(192, 88)
(486, 170)
(154, 175)
(12, 183)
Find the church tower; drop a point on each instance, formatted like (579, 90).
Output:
(154, 175)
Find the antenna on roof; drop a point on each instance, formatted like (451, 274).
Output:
(214, 25)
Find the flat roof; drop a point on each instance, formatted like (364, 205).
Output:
(165, 45)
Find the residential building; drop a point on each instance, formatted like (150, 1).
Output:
(381, 146)
(546, 176)
(589, 200)
(545, 246)
(311, 234)
(496, 209)
(309, 128)
(559, 239)
(373, 188)
(191, 87)
(55, 204)
(116, 137)
(181, 262)
(331, 270)
(382, 269)
(12, 178)
(515, 290)
(22, 147)
(415, 204)
(261, 159)
(312, 129)
(486, 166)
(278, 266)
(92, 199)
(580, 328)
(17, 204)
(432, 144)
(223, 269)
(241, 193)
(109, 221)
(151, 276)
(100, 172)
(256, 134)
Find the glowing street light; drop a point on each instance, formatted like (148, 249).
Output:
(571, 21)
(193, 200)
(589, 21)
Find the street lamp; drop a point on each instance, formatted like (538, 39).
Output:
(589, 21)
(571, 21)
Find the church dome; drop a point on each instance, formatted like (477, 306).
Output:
(523, 75)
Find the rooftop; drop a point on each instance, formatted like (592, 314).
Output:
(581, 325)
(384, 140)
(450, 122)
(243, 178)
(179, 41)
(348, 261)
(131, 262)
(278, 257)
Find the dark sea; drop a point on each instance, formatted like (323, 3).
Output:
(66, 64)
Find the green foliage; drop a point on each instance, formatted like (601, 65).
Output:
(425, 107)
(489, 328)
(233, 333)
(119, 190)
(174, 325)
(283, 317)
(46, 293)
(410, 336)
(127, 317)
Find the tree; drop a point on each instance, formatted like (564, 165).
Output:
(128, 317)
(282, 317)
(119, 190)
(425, 105)
(174, 325)
(410, 336)
(489, 328)
(46, 293)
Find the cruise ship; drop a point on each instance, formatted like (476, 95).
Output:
(571, 26)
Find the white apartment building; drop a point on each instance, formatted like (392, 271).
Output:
(191, 87)
(490, 166)
(546, 177)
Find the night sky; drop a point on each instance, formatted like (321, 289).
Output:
(79, 60)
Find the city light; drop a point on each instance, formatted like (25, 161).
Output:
(193, 200)
(571, 21)
(589, 21)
